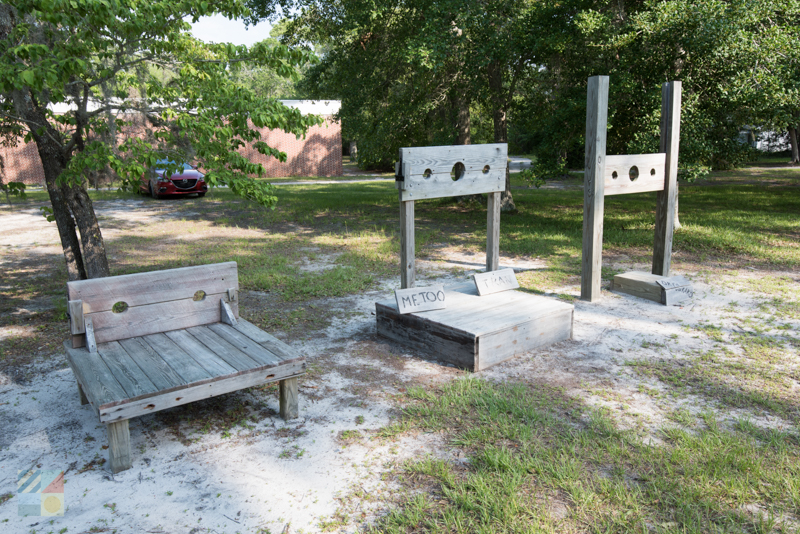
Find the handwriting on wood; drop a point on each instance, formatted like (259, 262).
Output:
(673, 282)
(673, 296)
(417, 299)
(495, 281)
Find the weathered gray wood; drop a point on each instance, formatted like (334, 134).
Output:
(154, 366)
(495, 281)
(519, 321)
(673, 281)
(417, 299)
(665, 200)
(183, 364)
(82, 395)
(157, 317)
(407, 253)
(593, 191)
(289, 406)
(638, 284)
(119, 446)
(226, 314)
(676, 295)
(94, 376)
(493, 231)
(91, 341)
(426, 170)
(244, 344)
(100, 294)
(233, 295)
(223, 349)
(650, 174)
(132, 379)
(200, 391)
(268, 341)
(204, 356)
(76, 324)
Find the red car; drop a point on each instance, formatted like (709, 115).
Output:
(186, 182)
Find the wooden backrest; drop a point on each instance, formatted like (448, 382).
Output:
(139, 304)
(425, 171)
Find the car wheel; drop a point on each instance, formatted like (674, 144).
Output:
(152, 192)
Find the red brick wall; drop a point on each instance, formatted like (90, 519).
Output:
(318, 154)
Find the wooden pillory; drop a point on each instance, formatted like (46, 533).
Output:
(635, 173)
(146, 342)
(476, 329)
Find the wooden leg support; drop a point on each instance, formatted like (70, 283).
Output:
(288, 399)
(119, 446)
(82, 395)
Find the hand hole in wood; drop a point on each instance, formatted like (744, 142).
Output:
(652, 172)
(485, 169)
(633, 174)
(119, 307)
(199, 295)
(614, 175)
(458, 171)
(427, 173)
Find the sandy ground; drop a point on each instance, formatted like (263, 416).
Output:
(294, 477)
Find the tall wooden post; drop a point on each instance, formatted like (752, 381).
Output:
(665, 200)
(493, 232)
(594, 181)
(407, 270)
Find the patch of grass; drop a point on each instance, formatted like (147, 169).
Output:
(540, 461)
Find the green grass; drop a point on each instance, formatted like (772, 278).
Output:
(540, 461)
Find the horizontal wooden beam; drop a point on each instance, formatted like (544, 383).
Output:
(634, 173)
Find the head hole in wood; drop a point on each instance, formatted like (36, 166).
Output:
(614, 175)
(652, 172)
(119, 307)
(427, 173)
(199, 295)
(633, 174)
(486, 169)
(458, 171)
(270, 376)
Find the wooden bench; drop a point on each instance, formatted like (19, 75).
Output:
(150, 341)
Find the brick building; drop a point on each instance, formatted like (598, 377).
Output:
(318, 154)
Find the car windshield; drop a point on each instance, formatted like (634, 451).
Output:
(162, 163)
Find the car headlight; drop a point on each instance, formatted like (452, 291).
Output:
(162, 179)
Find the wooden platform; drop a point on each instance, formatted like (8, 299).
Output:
(646, 286)
(476, 332)
(141, 375)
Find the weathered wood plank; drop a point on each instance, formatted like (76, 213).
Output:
(638, 284)
(153, 365)
(288, 403)
(223, 349)
(495, 281)
(665, 200)
(91, 340)
(76, 324)
(593, 191)
(119, 446)
(196, 392)
(132, 379)
(100, 294)
(244, 344)
(94, 376)
(417, 299)
(523, 308)
(407, 259)
(157, 317)
(649, 174)
(226, 314)
(183, 364)
(493, 231)
(268, 341)
(204, 356)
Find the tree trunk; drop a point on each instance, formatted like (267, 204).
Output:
(463, 136)
(499, 118)
(793, 143)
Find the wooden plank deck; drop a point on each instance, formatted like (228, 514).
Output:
(476, 332)
(148, 373)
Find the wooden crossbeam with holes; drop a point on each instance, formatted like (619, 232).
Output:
(625, 174)
(150, 341)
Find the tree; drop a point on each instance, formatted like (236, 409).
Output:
(118, 64)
